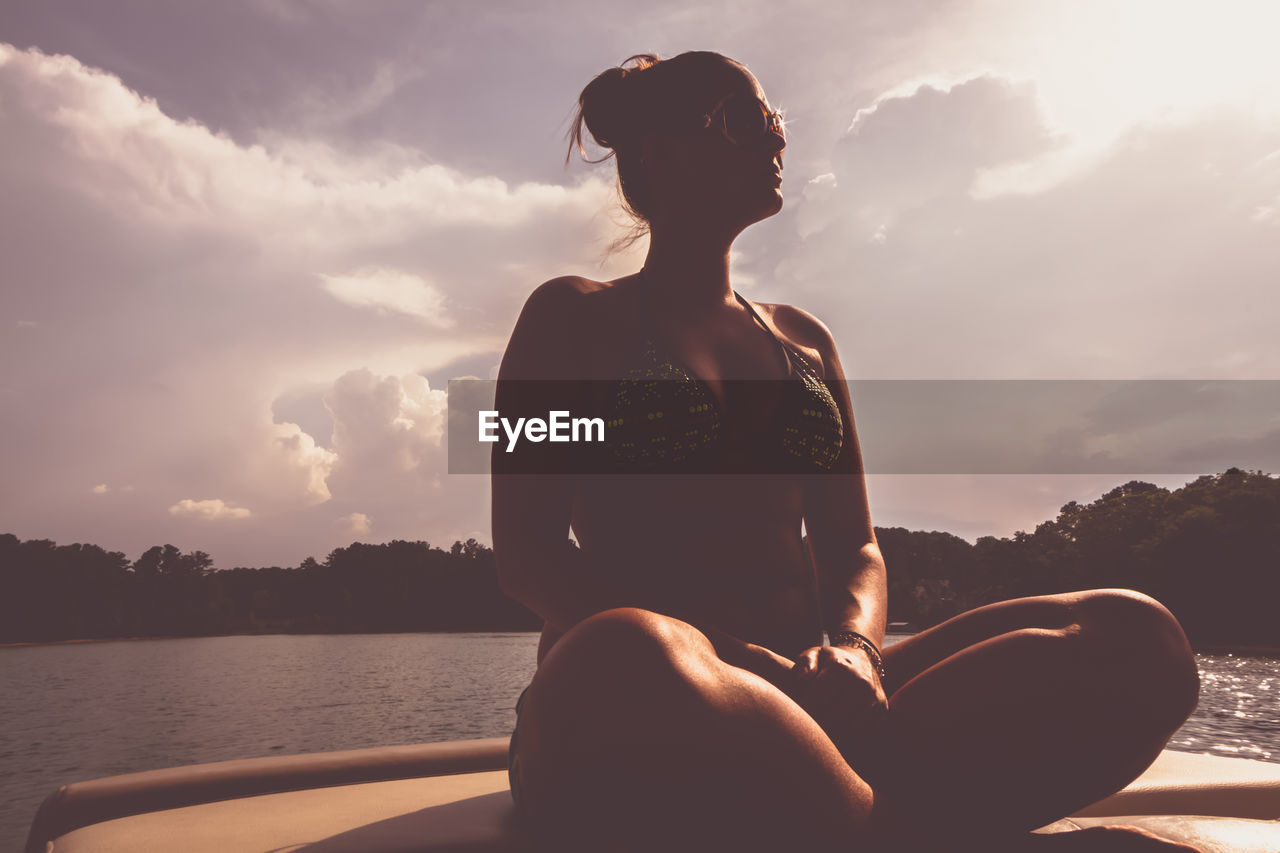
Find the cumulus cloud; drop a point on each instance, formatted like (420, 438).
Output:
(1105, 273)
(207, 510)
(909, 149)
(308, 464)
(285, 210)
(100, 489)
(386, 425)
(172, 271)
(391, 461)
(180, 173)
(391, 290)
(358, 523)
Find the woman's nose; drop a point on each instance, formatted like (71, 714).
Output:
(776, 143)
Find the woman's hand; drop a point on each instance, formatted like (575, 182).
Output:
(841, 690)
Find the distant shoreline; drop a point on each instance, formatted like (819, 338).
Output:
(1208, 649)
(257, 634)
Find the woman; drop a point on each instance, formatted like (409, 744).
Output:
(683, 697)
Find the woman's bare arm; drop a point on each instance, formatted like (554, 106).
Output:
(840, 686)
(851, 574)
(531, 511)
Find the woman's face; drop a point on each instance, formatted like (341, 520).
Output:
(731, 170)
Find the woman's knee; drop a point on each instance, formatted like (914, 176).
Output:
(626, 656)
(1136, 638)
(630, 636)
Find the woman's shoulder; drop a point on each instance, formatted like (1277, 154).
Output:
(576, 286)
(554, 327)
(568, 294)
(801, 330)
(566, 286)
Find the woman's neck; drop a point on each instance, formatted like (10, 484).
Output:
(687, 270)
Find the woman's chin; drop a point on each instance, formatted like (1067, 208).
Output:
(771, 205)
(748, 211)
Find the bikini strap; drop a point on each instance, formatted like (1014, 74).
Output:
(787, 352)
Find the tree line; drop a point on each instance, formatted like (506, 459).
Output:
(1210, 551)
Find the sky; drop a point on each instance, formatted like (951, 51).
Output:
(245, 245)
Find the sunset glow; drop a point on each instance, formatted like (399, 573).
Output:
(242, 261)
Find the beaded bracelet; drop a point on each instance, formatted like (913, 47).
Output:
(853, 638)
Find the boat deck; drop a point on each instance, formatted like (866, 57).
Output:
(454, 796)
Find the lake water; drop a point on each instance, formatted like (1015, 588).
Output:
(84, 710)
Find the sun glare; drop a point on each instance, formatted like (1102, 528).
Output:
(1100, 66)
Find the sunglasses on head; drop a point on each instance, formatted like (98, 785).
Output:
(745, 120)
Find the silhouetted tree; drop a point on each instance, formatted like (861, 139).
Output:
(1210, 551)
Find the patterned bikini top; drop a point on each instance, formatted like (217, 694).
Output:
(661, 418)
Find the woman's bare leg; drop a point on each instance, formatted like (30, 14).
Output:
(1015, 714)
(635, 736)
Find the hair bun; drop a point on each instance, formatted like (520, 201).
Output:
(606, 108)
(613, 104)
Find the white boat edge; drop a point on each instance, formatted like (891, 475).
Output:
(454, 795)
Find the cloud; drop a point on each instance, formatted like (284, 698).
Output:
(100, 489)
(385, 426)
(173, 273)
(300, 458)
(176, 174)
(907, 150)
(391, 460)
(1067, 427)
(358, 523)
(1144, 260)
(392, 290)
(207, 510)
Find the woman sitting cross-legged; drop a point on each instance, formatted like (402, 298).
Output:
(684, 699)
